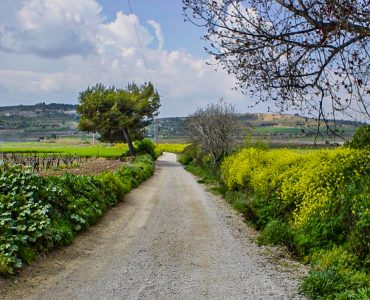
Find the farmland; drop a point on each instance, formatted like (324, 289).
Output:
(101, 150)
(52, 122)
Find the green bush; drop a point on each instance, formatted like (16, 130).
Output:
(192, 153)
(24, 215)
(185, 159)
(277, 233)
(61, 232)
(39, 213)
(361, 138)
(146, 146)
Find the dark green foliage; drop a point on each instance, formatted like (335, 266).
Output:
(277, 233)
(145, 146)
(190, 154)
(61, 232)
(239, 201)
(27, 254)
(324, 283)
(361, 138)
(185, 159)
(39, 213)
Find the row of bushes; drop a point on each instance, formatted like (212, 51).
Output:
(316, 202)
(39, 213)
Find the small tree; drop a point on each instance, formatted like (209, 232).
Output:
(214, 128)
(118, 114)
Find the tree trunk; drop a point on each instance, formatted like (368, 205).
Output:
(131, 148)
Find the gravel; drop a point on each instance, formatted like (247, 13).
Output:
(169, 239)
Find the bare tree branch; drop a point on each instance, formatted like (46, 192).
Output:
(214, 128)
(312, 56)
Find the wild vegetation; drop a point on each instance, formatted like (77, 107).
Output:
(314, 202)
(40, 213)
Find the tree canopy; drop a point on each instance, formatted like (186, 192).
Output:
(308, 55)
(118, 114)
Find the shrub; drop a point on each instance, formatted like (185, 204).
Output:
(192, 153)
(277, 233)
(185, 159)
(145, 146)
(361, 138)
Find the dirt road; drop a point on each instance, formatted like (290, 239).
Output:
(169, 239)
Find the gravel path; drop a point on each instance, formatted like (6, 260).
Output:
(170, 239)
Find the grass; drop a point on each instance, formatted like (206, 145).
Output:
(208, 177)
(99, 150)
(297, 130)
(205, 175)
(278, 130)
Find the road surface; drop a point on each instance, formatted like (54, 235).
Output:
(169, 239)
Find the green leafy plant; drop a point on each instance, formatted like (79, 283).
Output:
(39, 213)
(145, 146)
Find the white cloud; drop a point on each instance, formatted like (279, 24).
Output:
(122, 32)
(158, 33)
(53, 28)
(89, 50)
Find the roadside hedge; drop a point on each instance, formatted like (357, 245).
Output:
(317, 203)
(39, 213)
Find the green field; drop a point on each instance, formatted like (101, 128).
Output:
(99, 150)
(69, 147)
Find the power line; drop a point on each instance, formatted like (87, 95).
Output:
(156, 130)
(138, 36)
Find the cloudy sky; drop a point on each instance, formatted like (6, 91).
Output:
(50, 50)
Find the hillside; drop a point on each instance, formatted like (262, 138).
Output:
(32, 122)
(259, 125)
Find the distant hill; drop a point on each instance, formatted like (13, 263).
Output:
(257, 124)
(31, 122)
(42, 120)
(40, 107)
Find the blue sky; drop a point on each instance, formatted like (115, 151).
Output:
(179, 34)
(50, 50)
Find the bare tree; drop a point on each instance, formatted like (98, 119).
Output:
(312, 56)
(214, 128)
